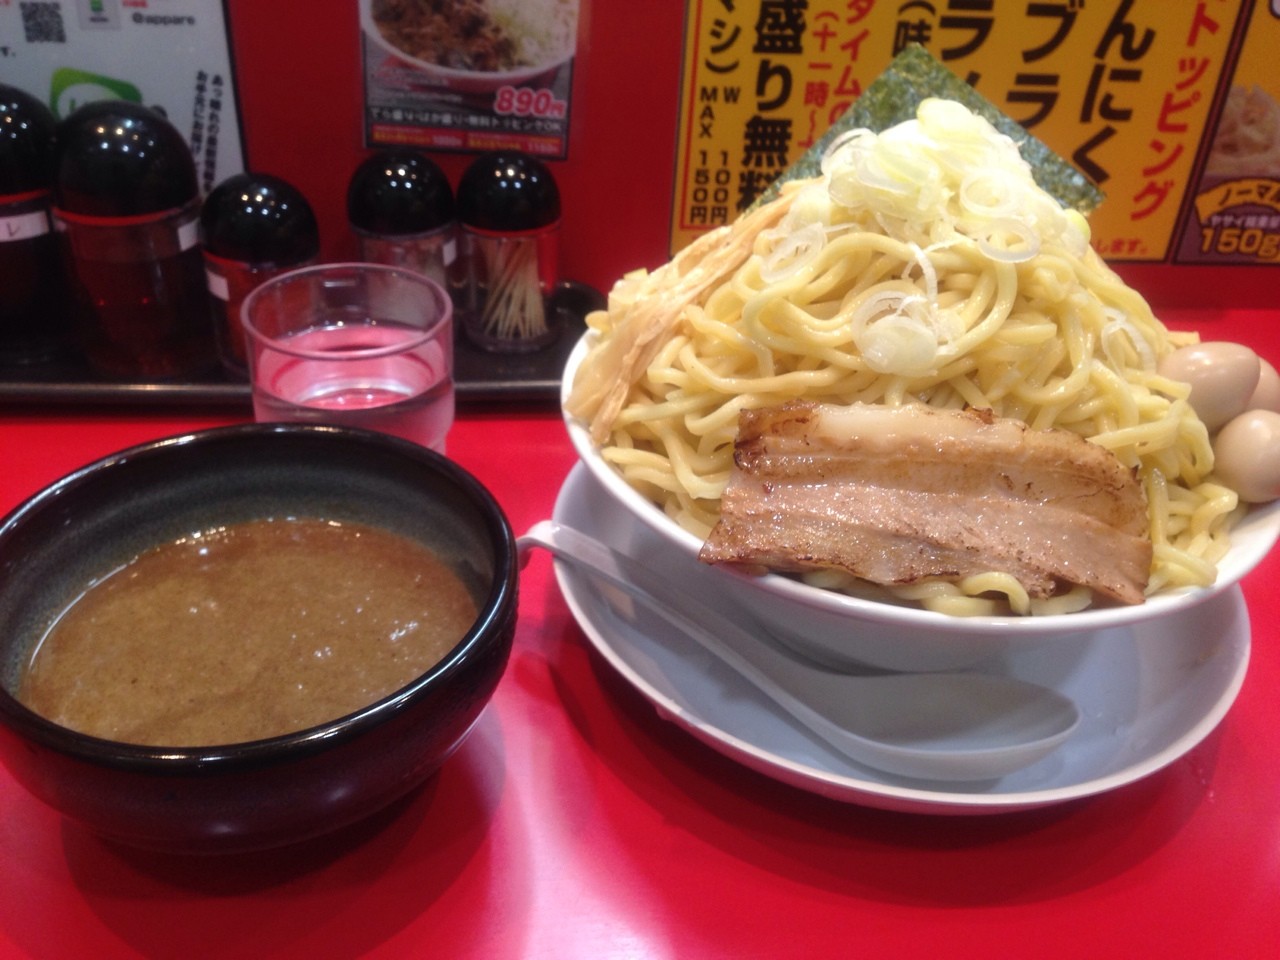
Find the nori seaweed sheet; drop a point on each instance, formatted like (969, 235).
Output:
(913, 76)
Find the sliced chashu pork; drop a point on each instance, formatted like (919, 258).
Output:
(897, 495)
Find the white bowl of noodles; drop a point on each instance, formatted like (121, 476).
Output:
(923, 264)
(856, 632)
(536, 40)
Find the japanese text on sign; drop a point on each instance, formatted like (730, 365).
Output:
(1124, 90)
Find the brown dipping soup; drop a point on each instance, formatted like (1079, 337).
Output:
(247, 631)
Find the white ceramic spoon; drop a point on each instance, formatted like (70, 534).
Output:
(930, 726)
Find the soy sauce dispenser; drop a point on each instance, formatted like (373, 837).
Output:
(253, 226)
(126, 207)
(509, 218)
(401, 210)
(32, 310)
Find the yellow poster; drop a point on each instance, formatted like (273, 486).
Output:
(1123, 89)
(1236, 210)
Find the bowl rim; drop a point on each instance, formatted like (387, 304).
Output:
(498, 608)
(1255, 536)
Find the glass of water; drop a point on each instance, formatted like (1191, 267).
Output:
(353, 344)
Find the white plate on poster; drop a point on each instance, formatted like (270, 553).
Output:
(1148, 693)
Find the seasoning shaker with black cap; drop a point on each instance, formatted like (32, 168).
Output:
(253, 226)
(32, 309)
(401, 210)
(126, 207)
(509, 220)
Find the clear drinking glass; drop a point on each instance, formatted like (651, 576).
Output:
(354, 344)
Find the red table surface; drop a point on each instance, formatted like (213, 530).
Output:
(575, 822)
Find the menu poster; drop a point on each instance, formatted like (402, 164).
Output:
(1235, 215)
(469, 76)
(173, 55)
(1124, 90)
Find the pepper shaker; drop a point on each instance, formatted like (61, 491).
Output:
(509, 219)
(126, 208)
(32, 310)
(253, 227)
(401, 210)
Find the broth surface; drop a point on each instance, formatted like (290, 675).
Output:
(247, 631)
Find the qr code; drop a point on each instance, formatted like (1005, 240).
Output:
(42, 22)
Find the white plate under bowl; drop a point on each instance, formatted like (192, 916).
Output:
(848, 631)
(1148, 692)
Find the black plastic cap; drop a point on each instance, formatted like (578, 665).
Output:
(118, 159)
(26, 142)
(397, 193)
(258, 218)
(508, 192)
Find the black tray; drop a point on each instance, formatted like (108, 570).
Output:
(479, 376)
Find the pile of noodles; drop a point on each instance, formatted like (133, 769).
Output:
(923, 266)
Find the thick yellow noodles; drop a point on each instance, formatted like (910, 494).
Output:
(1055, 340)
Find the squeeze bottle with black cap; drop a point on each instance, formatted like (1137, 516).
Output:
(32, 311)
(401, 210)
(509, 219)
(127, 207)
(253, 226)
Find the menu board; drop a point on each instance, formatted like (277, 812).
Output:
(467, 76)
(174, 56)
(1131, 92)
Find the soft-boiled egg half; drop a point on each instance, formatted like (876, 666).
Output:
(1237, 395)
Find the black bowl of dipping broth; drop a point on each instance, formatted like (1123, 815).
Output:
(250, 794)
